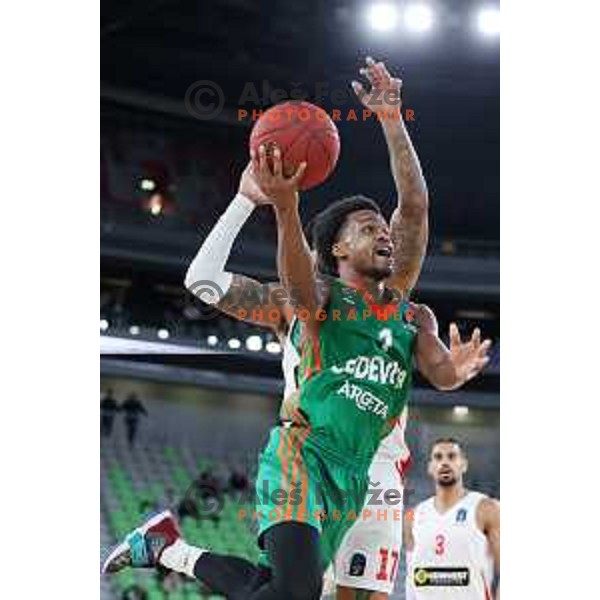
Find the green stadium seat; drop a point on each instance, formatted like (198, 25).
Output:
(229, 535)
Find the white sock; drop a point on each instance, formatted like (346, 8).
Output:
(181, 557)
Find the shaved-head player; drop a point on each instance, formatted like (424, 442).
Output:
(453, 538)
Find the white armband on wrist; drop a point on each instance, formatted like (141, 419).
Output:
(206, 276)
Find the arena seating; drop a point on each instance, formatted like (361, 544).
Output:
(179, 442)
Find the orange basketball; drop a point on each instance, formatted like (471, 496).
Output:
(303, 132)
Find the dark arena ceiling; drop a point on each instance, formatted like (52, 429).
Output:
(153, 51)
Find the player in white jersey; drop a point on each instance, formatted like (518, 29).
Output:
(453, 538)
(367, 561)
(369, 556)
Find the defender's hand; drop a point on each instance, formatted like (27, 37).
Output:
(470, 357)
(385, 89)
(281, 191)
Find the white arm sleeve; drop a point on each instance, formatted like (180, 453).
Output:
(206, 276)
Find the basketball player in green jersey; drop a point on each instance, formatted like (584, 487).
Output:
(358, 339)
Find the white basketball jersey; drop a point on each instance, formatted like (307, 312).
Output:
(290, 362)
(393, 447)
(451, 559)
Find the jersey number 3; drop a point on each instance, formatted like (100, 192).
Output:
(440, 544)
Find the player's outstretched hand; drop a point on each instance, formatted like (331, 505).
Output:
(385, 89)
(470, 357)
(280, 190)
(249, 186)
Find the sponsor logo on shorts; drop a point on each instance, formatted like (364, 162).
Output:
(441, 576)
(358, 564)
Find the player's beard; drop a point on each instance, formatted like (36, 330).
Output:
(447, 482)
(371, 266)
(378, 274)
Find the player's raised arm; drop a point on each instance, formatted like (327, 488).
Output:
(447, 368)
(409, 226)
(294, 260)
(237, 295)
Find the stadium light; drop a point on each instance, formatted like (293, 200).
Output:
(273, 347)
(254, 343)
(234, 344)
(103, 325)
(147, 185)
(163, 334)
(212, 340)
(488, 21)
(155, 204)
(418, 17)
(134, 330)
(461, 411)
(382, 16)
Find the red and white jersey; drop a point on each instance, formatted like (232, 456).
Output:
(451, 559)
(393, 447)
(369, 555)
(290, 361)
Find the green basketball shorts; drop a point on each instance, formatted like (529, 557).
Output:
(301, 481)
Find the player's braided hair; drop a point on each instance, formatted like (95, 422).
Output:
(326, 227)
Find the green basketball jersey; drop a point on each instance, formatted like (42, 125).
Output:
(353, 379)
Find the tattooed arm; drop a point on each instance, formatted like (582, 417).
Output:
(239, 296)
(263, 304)
(409, 223)
(294, 260)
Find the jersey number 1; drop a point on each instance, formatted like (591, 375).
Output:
(385, 337)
